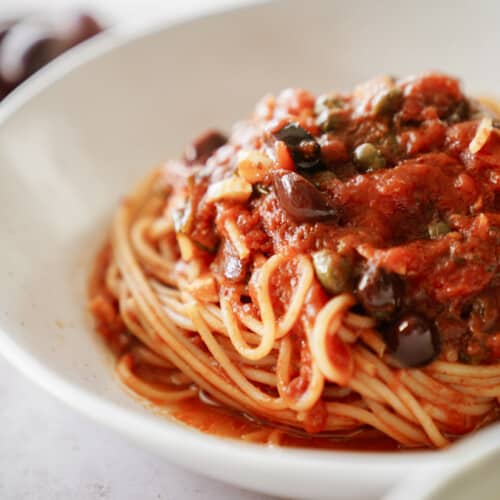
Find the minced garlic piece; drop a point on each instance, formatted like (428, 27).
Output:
(185, 247)
(232, 189)
(482, 135)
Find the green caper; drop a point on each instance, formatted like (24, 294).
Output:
(327, 101)
(368, 158)
(330, 119)
(437, 229)
(332, 270)
(387, 102)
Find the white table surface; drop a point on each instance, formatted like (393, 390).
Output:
(47, 451)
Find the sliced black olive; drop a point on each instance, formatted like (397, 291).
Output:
(332, 270)
(387, 102)
(302, 200)
(203, 146)
(368, 158)
(413, 340)
(380, 292)
(303, 148)
(437, 229)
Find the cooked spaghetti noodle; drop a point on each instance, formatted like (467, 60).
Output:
(331, 268)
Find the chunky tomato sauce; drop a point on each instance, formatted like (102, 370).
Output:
(391, 189)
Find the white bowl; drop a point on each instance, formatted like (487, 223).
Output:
(472, 477)
(80, 133)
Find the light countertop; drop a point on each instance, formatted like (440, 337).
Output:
(49, 452)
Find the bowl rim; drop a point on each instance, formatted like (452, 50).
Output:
(155, 430)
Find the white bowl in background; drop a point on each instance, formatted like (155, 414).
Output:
(77, 136)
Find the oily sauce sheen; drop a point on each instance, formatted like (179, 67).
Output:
(222, 422)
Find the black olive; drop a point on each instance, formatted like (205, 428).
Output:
(26, 47)
(203, 146)
(30, 43)
(413, 340)
(302, 200)
(380, 292)
(303, 148)
(5, 25)
(75, 27)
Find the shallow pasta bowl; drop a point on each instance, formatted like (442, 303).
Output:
(78, 135)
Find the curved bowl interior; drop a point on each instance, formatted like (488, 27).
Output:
(77, 137)
(470, 477)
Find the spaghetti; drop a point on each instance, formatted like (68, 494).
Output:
(331, 268)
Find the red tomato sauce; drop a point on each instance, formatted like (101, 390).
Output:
(391, 175)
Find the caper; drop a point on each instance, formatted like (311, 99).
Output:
(330, 119)
(327, 101)
(332, 270)
(368, 158)
(437, 229)
(387, 102)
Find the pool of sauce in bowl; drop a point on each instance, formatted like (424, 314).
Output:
(223, 422)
